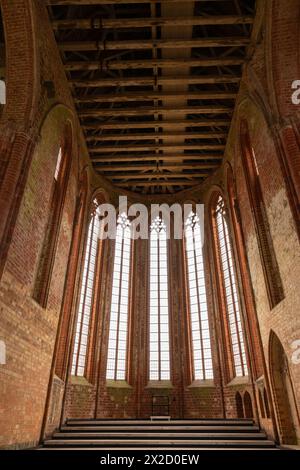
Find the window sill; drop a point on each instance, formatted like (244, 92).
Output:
(238, 381)
(165, 384)
(117, 384)
(78, 380)
(202, 384)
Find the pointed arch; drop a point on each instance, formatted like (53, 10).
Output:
(248, 405)
(239, 405)
(283, 391)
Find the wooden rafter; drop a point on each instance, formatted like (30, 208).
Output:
(158, 182)
(107, 64)
(113, 23)
(150, 96)
(150, 44)
(155, 136)
(149, 111)
(182, 166)
(157, 157)
(151, 81)
(118, 125)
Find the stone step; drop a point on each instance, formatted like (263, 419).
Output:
(133, 422)
(173, 428)
(157, 443)
(158, 435)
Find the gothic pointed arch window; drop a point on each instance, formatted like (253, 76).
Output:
(119, 310)
(86, 295)
(159, 350)
(200, 333)
(228, 282)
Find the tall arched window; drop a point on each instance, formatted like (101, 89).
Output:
(159, 303)
(86, 296)
(230, 290)
(202, 357)
(118, 327)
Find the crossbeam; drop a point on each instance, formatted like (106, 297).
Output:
(178, 166)
(113, 125)
(154, 95)
(131, 176)
(155, 136)
(143, 44)
(150, 111)
(106, 65)
(152, 81)
(114, 23)
(154, 147)
(155, 157)
(158, 183)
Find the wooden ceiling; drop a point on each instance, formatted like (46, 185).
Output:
(154, 83)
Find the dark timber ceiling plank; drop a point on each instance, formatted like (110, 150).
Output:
(183, 166)
(156, 157)
(151, 81)
(113, 125)
(113, 23)
(155, 136)
(149, 111)
(150, 44)
(119, 2)
(139, 96)
(154, 83)
(107, 64)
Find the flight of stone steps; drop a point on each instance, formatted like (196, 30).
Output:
(84, 434)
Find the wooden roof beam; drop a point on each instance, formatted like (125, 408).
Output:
(180, 166)
(114, 125)
(150, 111)
(143, 44)
(106, 65)
(155, 157)
(148, 148)
(114, 23)
(155, 136)
(117, 2)
(152, 81)
(139, 176)
(154, 95)
(158, 183)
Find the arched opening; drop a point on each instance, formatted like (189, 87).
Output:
(266, 403)
(248, 405)
(239, 405)
(287, 413)
(261, 404)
